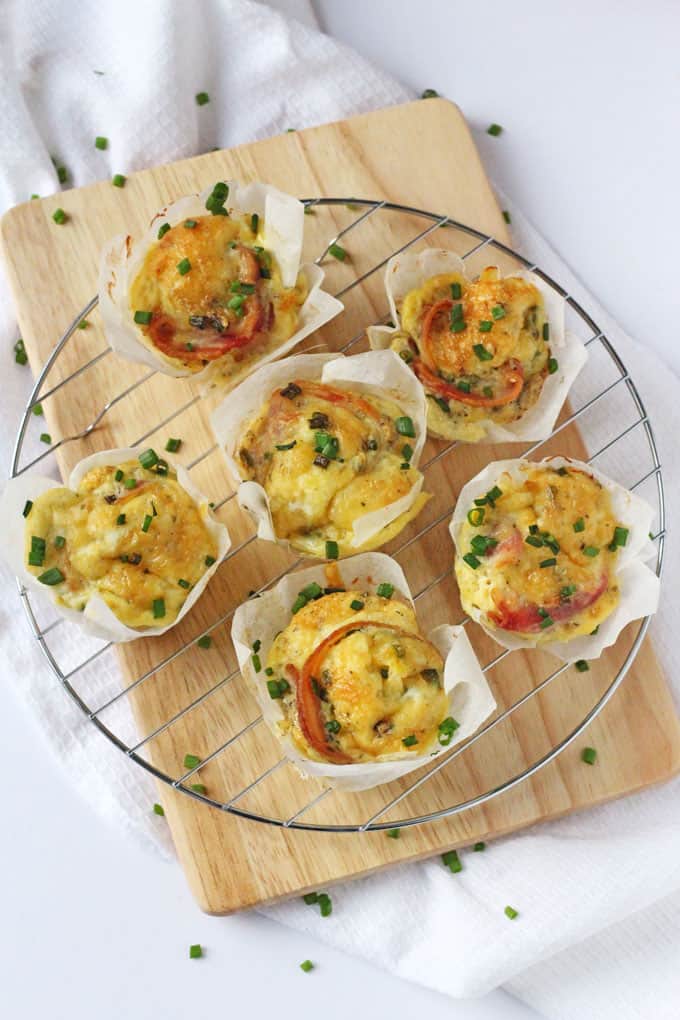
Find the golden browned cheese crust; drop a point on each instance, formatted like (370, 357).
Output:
(110, 547)
(541, 555)
(502, 323)
(326, 456)
(380, 685)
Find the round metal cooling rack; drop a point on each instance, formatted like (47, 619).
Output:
(627, 424)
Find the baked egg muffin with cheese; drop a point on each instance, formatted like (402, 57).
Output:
(129, 533)
(326, 456)
(356, 680)
(537, 554)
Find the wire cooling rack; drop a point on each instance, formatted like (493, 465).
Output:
(610, 416)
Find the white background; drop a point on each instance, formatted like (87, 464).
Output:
(588, 94)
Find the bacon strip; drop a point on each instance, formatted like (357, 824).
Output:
(527, 619)
(514, 381)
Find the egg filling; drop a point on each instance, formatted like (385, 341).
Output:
(538, 558)
(208, 290)
(480, 348)
(130, 534)
(325, 456)
(355, 679)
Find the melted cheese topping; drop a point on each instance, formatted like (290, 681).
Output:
(548, 569)
(381, 684)
(516, 337)
(229, 306)
(325, 456)
(130, 568)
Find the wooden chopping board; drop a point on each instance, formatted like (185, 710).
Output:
(421, 155)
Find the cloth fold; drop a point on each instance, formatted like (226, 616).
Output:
(598, 892)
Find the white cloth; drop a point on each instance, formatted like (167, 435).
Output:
(594, 891)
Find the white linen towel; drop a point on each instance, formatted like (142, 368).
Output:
(577, 882)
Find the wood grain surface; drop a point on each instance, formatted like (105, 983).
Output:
(420, 155)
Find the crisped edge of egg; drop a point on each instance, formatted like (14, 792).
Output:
(411, 270)
(389, 377)
(97, 619)
(638, 584)
(261, 619)
(122, 257)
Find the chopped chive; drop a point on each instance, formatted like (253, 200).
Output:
(158, 608)
(204, 641)
(463, 385)
(36, 556)
(195, 952)
(590, 550)
(506, 216)
(51, 577)
(547, 621)
(254, 223)
(83, 324)
(498, 312)
(306, 965)
(162, 230)
(34, 195)
(482, 353)
(567, 591)
(579, 525)
(158, 810)
(385, 590)
(310, 897)
(20, 355)
(581, 665)
(209, 560)
(485, 326)
(535, 541)
(62, 174)
(550, 562)
(452, 861)
(173, 445)
(333, 726)
(405, 427)
(488, 391)
(184, 584)
(410, 741)
(118, 180)
(481, 544)
(325, 905)
(257, 645)
(143, 318)
(553, 365)
(148, 458)
(589, 755)
(332, 551)
(28, 506)
(429, 94)
(202, 98)
(190, 224)
(478, 847)
(257, 664)
(447, 727)
(356, 605)
(59, 216)
(406, 355)
(198, 788)
(511, 913)
(183, 266)
(191, 761)
(476, 516)
(277, 688)
(37, 409)
(471, 560)
(620, 538)
(59, 542)
(121, 519)
(311, 591)
(546, 331)
(269, 671)
(494, 130)
(456, 292)
(394, 833)
(45, 437)
(146, 523)
(101, 142)
(337, 252)
(286, 446)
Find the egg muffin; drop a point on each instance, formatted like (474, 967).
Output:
(355, 679)
(537, 555)
(129, 533)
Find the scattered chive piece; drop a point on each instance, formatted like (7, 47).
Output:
(254, 222)
(579, 525)
(118, 180)
(394, 833)
(551, 562)
(59, 542)
(589, 755)
(257, 645)
(306, 965)
(199, 788)
(567, 591)
(619, 540)
(511, 913)
(385, 590)
(257, 664)
(498, 312)
(429, 94)
(191, 761)
(535, 541)
(581, 665)
(101, 143)
(184, 584)
(356, 605)
(482, 353)
(20, 355)
(456, 292)
(173, 445)
(45, 437)
(452, 861)
(190, 224)
(337, 252)
(471, 560)
(28, 506)
(162, 230)
(478, 847)
(546, 331)
(494, 129)
(202, 98)
(148, 459)
(286, 446)
(463, 385)
(83, 324)
(37, 409)
(332, 551)
(121, 519)
(506, 216)
(209, 560)
(410, 741)
(195, 952)
(405, 427)
(485, 326)
(325, 905)
(269, 671)
(62, 174)
(59, 216)
(590, 550)
(553, 365)
(36, 556)
(277, 688)
(34, 195)
(51, 577)
(158, 810)
(204, 641)
(143, 318)
(158, 609)
(183, 267)
(146, 524)
(447, 727)
(310, 897)
(488, 391)
(476, 516)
